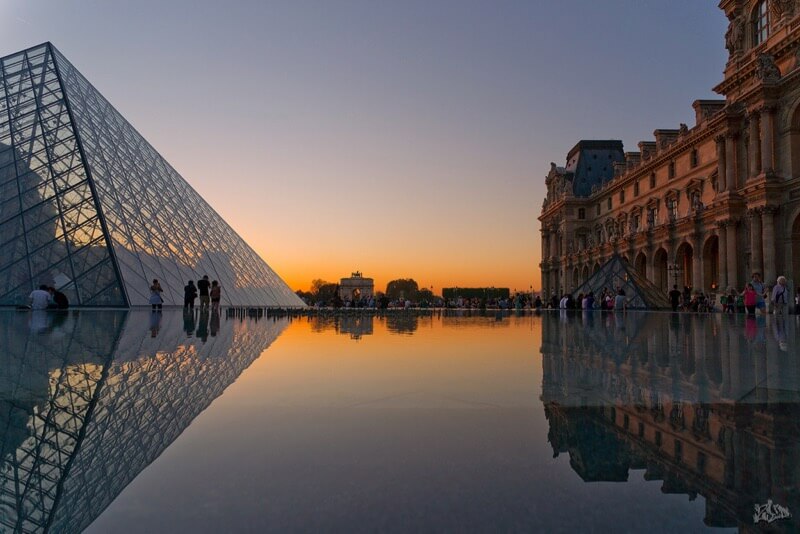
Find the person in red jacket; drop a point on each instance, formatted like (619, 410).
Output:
(750, 299)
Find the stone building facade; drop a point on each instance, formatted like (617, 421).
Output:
(356, 287)
(701, 206)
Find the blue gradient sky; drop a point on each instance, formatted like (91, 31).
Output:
(403, 139)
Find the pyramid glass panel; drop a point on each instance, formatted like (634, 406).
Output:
(89, 207)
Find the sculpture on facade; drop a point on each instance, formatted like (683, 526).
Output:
(780, 8)
(697, 204)
(766, 69)
(734, 37)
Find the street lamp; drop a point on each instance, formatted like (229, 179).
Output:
(675, 269)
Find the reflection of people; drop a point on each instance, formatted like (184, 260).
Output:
(40, 298)
(155, 323)
(779, 331)
(202, 325)
(39, 319)
(214, 328)
(155, 295)
(188, 322)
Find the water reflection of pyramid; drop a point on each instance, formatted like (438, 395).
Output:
(89, 399)
(88, 206)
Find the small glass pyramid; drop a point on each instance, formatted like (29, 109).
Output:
(89, 207)
(640, 293)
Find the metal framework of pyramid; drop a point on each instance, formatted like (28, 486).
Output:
(89, 207)
(616, 273)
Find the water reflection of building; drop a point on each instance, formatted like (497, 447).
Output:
(90, 400)
(708, 407)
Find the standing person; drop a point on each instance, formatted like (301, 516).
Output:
(750, 299)
(155, 295)
(674, 297)
(202, 286)
(797, 302)
(40, 298)
(215, 294)
(619, 300)
(779, 296)
(758, 287)
(189, 294)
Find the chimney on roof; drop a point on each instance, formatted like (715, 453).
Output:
(633, 159)
(664, 138)
(647, 149)
(705, 109)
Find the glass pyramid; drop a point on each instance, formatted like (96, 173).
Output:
(89, 207)
(641, 293)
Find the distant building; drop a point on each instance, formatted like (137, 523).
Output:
(702, 206)
(356, 287)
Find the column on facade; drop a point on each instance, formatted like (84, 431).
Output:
(650, 268)
(756, 258)
(723, 257)
(753, 146)
(545, 245)
(731, 183)
(767, 135)
(697, 262)
(721, 164)
(732, 257)
(768, 235)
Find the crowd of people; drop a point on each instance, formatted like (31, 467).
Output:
(755, 297)
(209, 292)
(606, 300)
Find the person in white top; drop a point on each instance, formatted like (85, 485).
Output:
(780, 296)
(563, 303)
(40, 298)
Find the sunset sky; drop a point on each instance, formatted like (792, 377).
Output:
(401, 139)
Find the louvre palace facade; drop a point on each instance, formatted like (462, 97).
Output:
(701, 206)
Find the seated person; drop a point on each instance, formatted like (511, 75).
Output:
(40, 298)
(59, 299)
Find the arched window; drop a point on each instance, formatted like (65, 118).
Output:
(760, 22)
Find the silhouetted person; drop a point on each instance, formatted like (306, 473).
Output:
(40, 298)
(60, 300)
(155, 295)
(674, 297)
(189, 294)
(216, 294)
(203, 287)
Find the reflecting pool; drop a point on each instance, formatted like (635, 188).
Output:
(142, 422)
